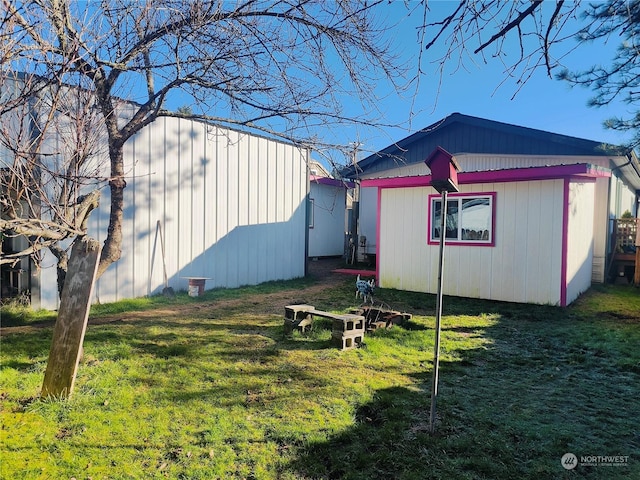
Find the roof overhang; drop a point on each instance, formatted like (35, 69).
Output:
(629, 169)
(333, 182)
(578, 171)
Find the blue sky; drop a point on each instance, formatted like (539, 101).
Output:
(479, 88)
(542, 103)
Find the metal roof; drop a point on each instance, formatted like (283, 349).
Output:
(458, 133)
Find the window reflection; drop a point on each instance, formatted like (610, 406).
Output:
(476, 219)
(468, 218)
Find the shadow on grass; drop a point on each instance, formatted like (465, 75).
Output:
(232, 340)
(382, 443)
(26, 317)
(24, 366)
(35, 346)
(542, 385)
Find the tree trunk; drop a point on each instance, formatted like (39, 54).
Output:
(112, 247)
(62, 265)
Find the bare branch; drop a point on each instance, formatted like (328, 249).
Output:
(445, 24)
(278, 67)
(547, 43)
(535, 4)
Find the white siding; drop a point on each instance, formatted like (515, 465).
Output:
(405, 261)
(627, 198)
(410, 170)
(326, 238)
(523, 266)
(621, 198)
(476, 162)
(231, 206)
(580, 238)
(612, 196)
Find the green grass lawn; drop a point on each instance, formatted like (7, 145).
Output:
(216, 391)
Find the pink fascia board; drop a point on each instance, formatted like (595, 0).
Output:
(581, 171)
(330, 181)
(378, 215)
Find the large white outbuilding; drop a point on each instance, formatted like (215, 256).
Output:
(232, 209)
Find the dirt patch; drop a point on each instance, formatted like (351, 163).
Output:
(323, 268)
(320, 270)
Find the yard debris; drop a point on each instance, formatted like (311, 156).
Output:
(381, 317)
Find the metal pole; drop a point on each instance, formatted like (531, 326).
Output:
(436, 347)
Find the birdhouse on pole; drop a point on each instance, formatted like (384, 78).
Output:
(444, 178)
(444, 170)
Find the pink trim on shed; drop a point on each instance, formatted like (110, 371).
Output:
(565, 243)
(578, 170)
(378, 210)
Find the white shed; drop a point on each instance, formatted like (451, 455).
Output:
(232, 207)
(536, 247)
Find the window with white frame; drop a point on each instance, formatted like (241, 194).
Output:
(469, 218)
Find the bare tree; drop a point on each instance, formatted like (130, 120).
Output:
(529, 35)
(49, 147)
(277, 66)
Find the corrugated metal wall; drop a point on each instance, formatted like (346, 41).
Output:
(523, 266)
(232, 207)
(473, 162)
